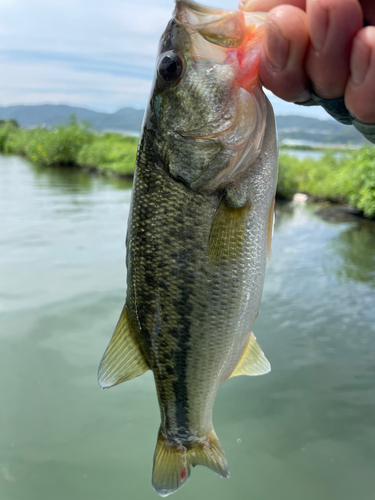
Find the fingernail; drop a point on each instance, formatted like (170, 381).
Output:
(359, 61)
(305, 96)
(319, 21)
(277, 47)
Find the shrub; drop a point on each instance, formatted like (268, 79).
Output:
(349, 179)
(358, 180)
(110, 153)
(6, 128)
(58, 146)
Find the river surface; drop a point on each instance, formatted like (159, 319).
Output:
(306, 431)
(307, 154)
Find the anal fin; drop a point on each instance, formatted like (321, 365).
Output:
(252, 361)
(122, 359)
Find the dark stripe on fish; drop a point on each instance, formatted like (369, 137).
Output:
(184, 309)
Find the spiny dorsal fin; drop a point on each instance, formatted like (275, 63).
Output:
(271, 223)
(173, 462)
(253, 361)
(122, 359)
(227, 233)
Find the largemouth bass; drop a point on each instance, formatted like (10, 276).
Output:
(199, 232)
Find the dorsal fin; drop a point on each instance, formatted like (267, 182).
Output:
(253, 361)
(122, 359)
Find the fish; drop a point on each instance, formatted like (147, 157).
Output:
(199, 232)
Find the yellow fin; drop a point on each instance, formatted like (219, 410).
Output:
(252, 361)
(271, 223)
(122, 359)
(173, 462)
(227, 233)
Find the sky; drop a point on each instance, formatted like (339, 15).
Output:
(95, 54)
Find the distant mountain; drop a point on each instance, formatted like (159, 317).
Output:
(290, 128)
(125, 120)
(304, 129)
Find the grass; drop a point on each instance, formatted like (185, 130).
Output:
(110, 153)
(348, 179)
(73, 145)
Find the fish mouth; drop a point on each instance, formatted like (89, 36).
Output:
(225, 28)
(221, 36)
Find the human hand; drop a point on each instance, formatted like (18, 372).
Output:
(323, 44)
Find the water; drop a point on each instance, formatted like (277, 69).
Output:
(303, 154)
(305, 431)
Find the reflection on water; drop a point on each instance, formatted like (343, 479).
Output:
(305, 431)
(302, 154)
(356, 247)
(73, 179)
(307, 154)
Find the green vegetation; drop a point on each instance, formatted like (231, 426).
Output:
(59, 146)
(356, 247)
(6, 129)
(349, 179)
(110, 153)
(73, 145)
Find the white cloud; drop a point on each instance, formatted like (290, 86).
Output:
(75, 50)
(87, 52)
(36, 84)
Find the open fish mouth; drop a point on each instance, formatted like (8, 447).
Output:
(231, 29)
(221, 27)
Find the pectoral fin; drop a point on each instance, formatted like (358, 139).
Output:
(253, 361)
(122, 359)
(227, 234)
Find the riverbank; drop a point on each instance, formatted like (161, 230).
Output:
(348, 179)
(75, 145)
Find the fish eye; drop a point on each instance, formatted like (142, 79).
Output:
(170, 67)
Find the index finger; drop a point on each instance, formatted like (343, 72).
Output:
(267, 5)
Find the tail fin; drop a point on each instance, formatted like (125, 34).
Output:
(172, 462)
